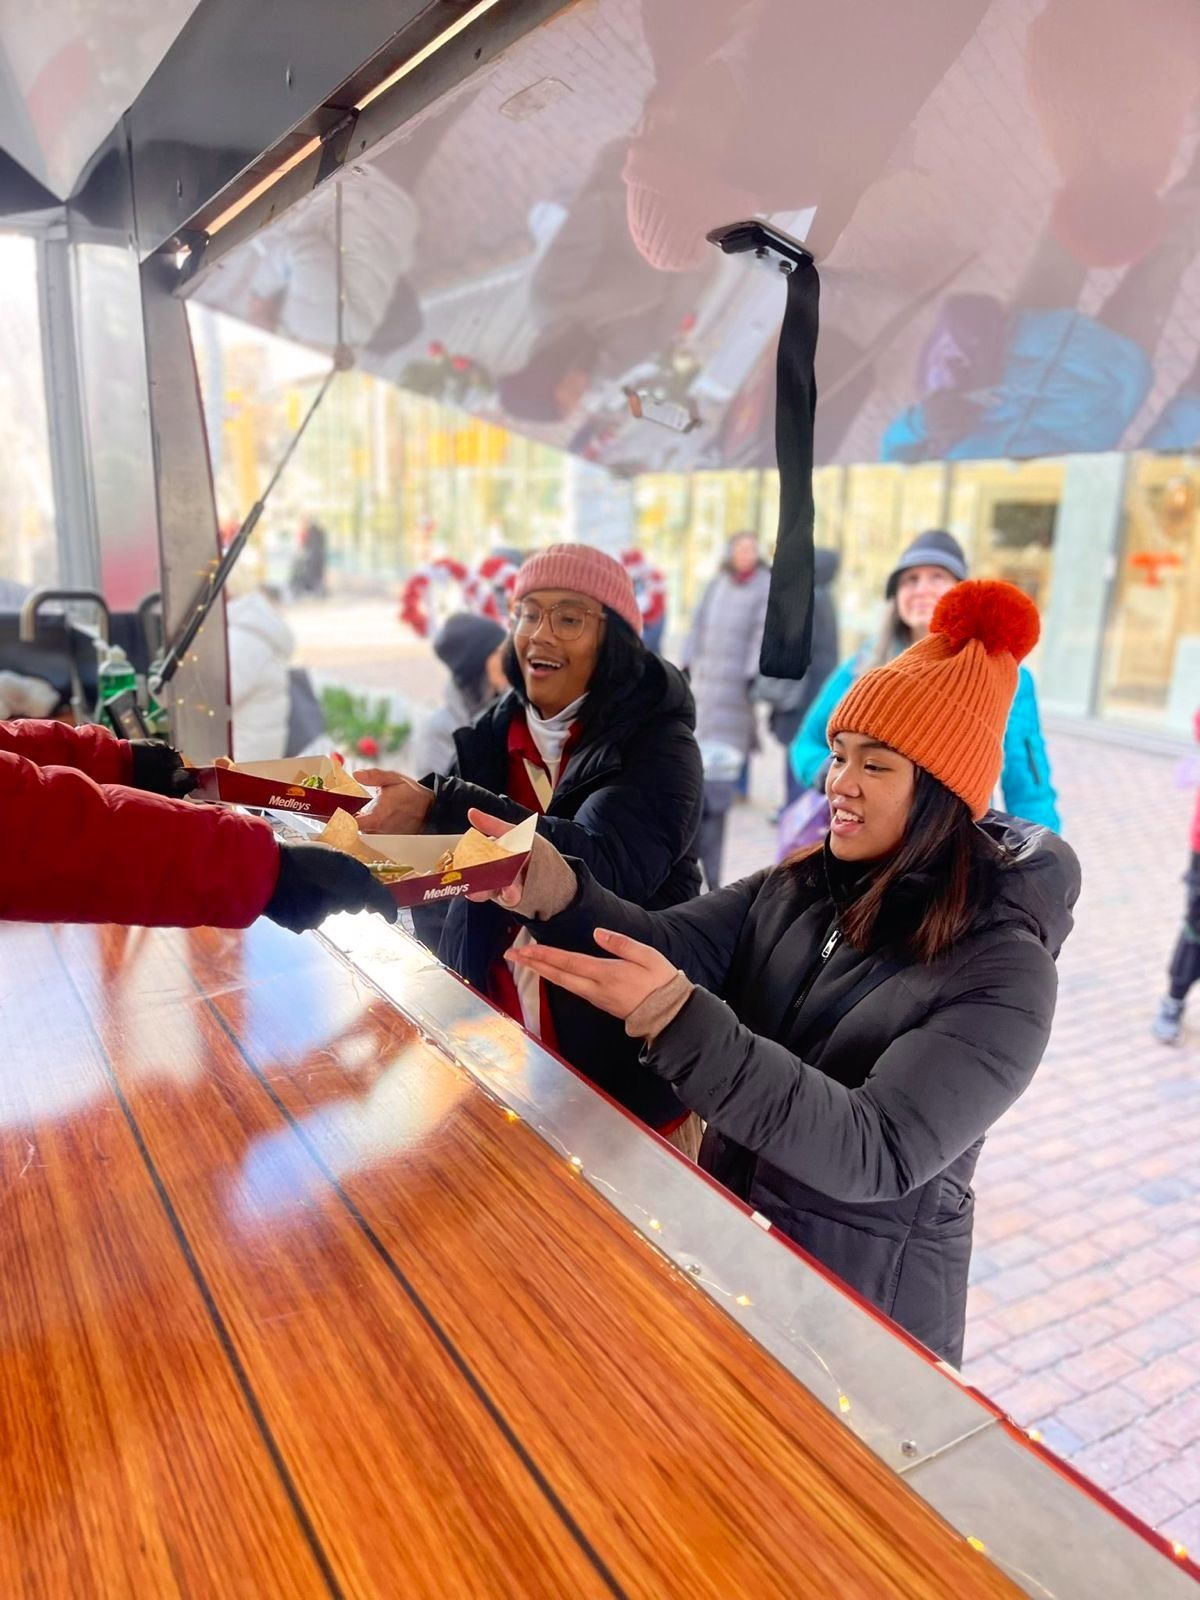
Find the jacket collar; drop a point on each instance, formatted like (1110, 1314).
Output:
(483, 750)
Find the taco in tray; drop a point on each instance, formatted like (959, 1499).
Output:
(389, 871)
(341, 833)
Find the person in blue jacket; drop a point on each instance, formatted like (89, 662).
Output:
(1039, 376)
(933, 563)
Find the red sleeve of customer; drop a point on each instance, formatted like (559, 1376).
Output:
(76, 852)
(89, 749)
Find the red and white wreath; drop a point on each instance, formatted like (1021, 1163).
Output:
(649, 586)
(431, 594)
(488, 590)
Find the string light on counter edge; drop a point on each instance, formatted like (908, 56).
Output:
(977, 1544)
(843, 1403)
(577, 1163)
(1179, 1551)
(655, 1224)
(510, 1115)
(743, 1300)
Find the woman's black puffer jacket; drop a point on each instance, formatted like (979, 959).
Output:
(847, 1101)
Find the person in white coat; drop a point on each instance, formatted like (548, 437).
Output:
(294, 290)
(260, 654)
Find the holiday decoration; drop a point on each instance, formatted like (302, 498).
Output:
(649, 586)
(360, 724)
(456, 379)
(488, 589)
(423, 600)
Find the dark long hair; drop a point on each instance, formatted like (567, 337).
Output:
(619, 667)
(928, 894)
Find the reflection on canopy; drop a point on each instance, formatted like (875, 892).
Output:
(1004, 198)
(69, 69)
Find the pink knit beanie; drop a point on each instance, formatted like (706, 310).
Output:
(670, 208)
(584, 570)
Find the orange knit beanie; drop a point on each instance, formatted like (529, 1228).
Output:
(944, 703)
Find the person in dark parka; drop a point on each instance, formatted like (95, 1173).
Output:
(851, 1023)
(597, 737)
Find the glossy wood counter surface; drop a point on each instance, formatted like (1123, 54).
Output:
(288, 1307)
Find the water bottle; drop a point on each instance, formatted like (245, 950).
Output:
(158, 718)
(116, 677)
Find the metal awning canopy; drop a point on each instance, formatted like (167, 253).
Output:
(1000, 194)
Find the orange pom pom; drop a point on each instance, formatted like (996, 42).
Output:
(997, 614)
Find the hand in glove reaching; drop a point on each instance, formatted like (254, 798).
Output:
(315, 881)
(160, 770)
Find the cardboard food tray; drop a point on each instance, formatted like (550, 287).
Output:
(423, 851)
(274, 786)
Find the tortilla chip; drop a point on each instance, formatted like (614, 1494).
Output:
(342, 783)
(341, 831)
(474, 849)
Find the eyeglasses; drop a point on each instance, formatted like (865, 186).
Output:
(566, 618)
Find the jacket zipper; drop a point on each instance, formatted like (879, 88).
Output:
(830, 945)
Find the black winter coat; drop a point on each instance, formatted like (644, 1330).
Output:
(856, 1135)
(628, 806)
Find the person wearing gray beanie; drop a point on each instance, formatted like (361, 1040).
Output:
(471, 648)
(932, 564)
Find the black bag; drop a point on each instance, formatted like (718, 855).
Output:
(306, 720)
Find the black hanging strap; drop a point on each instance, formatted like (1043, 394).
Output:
(787, 641)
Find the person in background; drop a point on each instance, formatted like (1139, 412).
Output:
(294, 289)
(308, 569)
(471, 649)
(260, 654)
(790, 698)
(1185, 962)
(595, 737)
(22, 696)
(721, 658)
(850, 1024)
(97, 831)
(599, 309)
(931, 565)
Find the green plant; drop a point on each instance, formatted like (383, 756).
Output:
(355, 720)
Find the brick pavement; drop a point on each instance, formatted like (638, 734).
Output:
(1084, 1315)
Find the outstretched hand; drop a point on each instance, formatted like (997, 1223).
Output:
(618, 982)
(496, 828)
(401, 806)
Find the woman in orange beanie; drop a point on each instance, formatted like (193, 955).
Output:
(850, 1024)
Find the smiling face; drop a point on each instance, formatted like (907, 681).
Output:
(556, 670)
(870, 790)
(917, 595)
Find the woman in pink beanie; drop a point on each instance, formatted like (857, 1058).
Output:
(597, 737)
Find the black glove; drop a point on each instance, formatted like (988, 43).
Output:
(160, 770)
(315, 881)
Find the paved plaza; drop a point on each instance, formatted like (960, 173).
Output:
(1085, 1307)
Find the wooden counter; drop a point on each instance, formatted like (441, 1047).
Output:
(289, 1307)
